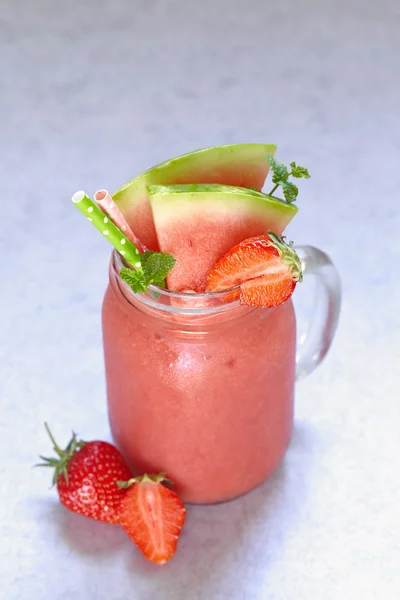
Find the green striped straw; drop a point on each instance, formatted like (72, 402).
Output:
(103, 223)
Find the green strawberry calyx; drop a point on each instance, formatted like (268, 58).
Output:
(287, 254)
(160, 478)
(60, 462)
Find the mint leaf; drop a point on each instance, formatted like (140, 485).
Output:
(298, 171)
(279, 171)
(135, 279)
(280, 176)
(290, 191)
(145, 256)
(156, 267)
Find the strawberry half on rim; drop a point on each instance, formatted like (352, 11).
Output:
(266, 268)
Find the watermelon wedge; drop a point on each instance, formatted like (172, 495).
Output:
(199, 223)
(243, 165)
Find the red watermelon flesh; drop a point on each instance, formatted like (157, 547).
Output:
(198, 224)
(241, 165)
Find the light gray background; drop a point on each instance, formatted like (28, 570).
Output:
(93, 92)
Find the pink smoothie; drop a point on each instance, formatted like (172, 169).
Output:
(206, 398)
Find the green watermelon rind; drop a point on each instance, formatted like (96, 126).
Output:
(187, 199)
(125, 196)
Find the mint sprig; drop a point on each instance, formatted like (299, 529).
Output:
(135, 279)
(280, 176)
(157, 265)
(153, 269)
(290, 190)
(299, 172)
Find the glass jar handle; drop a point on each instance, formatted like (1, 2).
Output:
(312, 349)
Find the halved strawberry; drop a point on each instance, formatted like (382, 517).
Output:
(266, 268)
(153, 516)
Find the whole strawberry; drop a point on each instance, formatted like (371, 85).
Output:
(153, 516)
(86, 475)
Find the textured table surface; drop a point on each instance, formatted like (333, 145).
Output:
(92, 93)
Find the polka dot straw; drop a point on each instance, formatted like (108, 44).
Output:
(111, 210)
(96, 216)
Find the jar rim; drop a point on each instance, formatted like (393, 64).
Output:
(176, 302)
